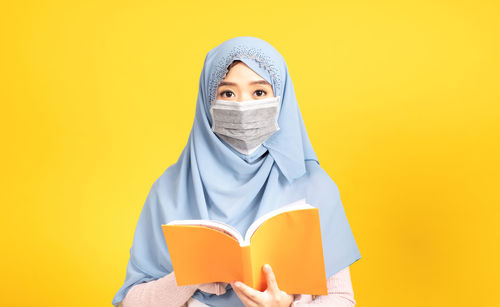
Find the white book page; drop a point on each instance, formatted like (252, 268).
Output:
(297, 205)
(230, 229)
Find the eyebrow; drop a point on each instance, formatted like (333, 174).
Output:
(263, 82)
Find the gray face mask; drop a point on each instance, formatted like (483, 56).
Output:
(247, 124)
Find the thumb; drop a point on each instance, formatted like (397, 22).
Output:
(272, 284)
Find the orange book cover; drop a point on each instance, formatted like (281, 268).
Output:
(288, 238)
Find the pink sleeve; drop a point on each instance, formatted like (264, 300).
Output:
(340, 293)
(165, 290)
(160, 292)
(217, 288)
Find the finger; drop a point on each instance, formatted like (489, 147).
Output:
(247, 302)
(272, 284)
(249, 292)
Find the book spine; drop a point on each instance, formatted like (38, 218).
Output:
(247, 266)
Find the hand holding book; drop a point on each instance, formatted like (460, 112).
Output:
(272, 296)
(288, 238)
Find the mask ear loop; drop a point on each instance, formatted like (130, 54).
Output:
(212, 115)
(278, 113)
(279, 106)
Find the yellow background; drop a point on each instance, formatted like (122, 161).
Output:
(400, 99)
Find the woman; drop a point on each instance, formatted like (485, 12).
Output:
(248, 153)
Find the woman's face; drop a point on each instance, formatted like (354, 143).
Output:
(241, 84)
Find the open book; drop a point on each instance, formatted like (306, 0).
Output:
(288, 238)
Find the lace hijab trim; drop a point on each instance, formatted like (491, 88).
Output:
(242, 51)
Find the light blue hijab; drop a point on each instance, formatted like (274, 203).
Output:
(211, 180)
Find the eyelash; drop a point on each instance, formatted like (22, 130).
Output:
(264, 93)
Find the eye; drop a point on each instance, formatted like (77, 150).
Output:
(260, 93)
(226, 94)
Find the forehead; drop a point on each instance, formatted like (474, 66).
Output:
(242, 74)
(241, 70)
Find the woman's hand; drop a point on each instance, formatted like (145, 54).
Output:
(271, 297)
